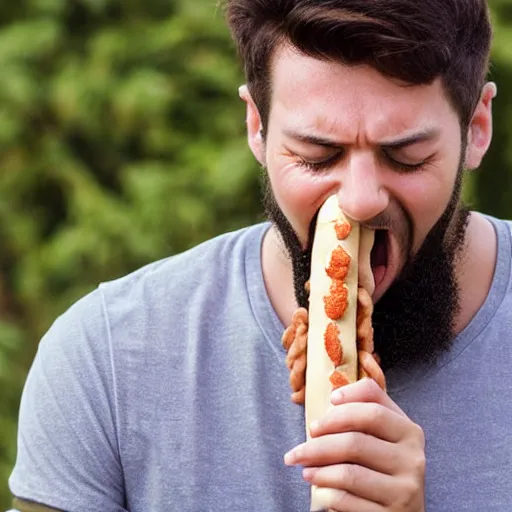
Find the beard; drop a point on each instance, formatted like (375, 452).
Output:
(414, 321)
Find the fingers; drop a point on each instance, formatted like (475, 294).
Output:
(364, 454)
(350, 447)
(364, 390)
(372, 368)
(298, 397)
(351, 484)
(343, 501)
(355, 480)
(369, 418)
(378, 423)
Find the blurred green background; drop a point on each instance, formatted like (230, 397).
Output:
(122, 141)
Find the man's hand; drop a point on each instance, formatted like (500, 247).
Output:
(367, 452)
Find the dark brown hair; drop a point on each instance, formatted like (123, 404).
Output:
(414, 41)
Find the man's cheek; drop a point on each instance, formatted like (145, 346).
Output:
(294, 201)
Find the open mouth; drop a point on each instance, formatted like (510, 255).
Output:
(379, 257)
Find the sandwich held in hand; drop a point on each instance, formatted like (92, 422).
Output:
(331, 345)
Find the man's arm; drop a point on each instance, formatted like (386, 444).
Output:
(68, 452)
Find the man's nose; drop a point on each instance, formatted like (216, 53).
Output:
(362, 194)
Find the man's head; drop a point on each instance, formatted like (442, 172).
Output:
(382, 103)
(409, 40)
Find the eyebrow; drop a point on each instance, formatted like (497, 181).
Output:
(409, 140)
(398, 143)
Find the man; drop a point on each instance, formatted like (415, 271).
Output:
(167, 389)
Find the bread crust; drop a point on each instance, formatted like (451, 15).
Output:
(320, 366)
(331, 344)
(335, 236)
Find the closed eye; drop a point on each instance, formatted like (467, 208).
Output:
(402, 166)
(328, 163)
(319, 165)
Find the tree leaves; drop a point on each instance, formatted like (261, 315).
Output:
(122, 141)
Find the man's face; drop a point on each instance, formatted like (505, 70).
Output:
(390, 152)
(393, 155)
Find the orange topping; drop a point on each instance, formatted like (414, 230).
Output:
(338, 379)
(295, 340)
(333, 344)
(343, 229)
(338, 266)
(336, 303)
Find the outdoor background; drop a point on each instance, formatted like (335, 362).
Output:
(122, 142)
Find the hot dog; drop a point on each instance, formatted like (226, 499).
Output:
(331, 344)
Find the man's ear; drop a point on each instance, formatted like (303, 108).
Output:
(254, 126)
(480, 128)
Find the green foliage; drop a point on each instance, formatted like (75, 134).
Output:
(122, 141)
(491, 186)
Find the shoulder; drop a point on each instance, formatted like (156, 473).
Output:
(146, 315)
(153, 295)
(93, 363)
(501, 291)
(503, 229)
(173, 280)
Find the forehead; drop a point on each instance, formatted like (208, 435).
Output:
(329, 97)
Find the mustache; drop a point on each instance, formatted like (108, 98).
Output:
(399, 222)
(381, 221)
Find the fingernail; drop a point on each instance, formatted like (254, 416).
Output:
(337, 395)
(314, 425)
(293, 456)
(308, 474)
(290, 458)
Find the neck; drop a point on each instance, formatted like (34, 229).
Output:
(476, 268)
(278, 276)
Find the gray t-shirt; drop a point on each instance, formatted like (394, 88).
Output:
(166, 390)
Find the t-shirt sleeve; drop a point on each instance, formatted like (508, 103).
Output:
(68, 450)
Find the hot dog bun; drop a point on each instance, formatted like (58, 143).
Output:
(320, 367)
(332, 350)
(331, 344)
